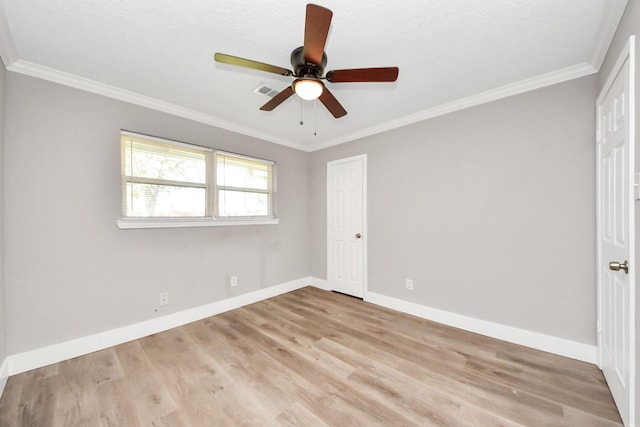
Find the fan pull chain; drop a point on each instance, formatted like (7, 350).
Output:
(301, 122)
(315, 116)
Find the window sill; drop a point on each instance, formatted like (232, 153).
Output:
(129, 223)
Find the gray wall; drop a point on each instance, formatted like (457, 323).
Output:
(629, 25)
(3, 352)
(70, 271)
(489, 210)
(483, 208)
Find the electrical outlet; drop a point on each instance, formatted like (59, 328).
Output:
(408, 283)
(234, 281)
(164, 298)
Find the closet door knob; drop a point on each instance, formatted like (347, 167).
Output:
(616, 266)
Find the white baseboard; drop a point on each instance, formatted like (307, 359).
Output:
(319, 283)
(3, 383)
(38, 358)
(548, 343)
(4, 375)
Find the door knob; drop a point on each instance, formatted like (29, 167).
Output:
(358, 236)
(616, 266)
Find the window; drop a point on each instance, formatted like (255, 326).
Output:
(161, 179)
(166, 182)
(244, 186)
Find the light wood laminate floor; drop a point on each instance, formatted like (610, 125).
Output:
(311, 358)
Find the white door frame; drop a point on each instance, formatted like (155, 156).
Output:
(365, 233)
(626, 56)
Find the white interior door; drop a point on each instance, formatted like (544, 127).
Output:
(346, 201)
(616, 270)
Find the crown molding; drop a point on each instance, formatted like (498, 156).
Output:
(88, 85)
(613, 12)
(71, 80)
(527, 85)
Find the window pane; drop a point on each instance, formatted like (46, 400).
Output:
(163, 161)
(242, 203)
(164, 179)
(148, 200)
(243, 173)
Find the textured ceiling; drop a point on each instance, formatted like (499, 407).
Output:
(451, 54)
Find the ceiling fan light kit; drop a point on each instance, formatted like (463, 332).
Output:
(308, 89)
(308, 63)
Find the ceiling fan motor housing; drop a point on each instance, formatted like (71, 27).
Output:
(301, 68)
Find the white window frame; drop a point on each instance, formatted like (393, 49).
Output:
(210, 219)
(270, 191)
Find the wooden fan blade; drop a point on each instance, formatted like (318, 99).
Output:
(248, 63)
(278, 99)
(316, 30)
(332, 104)
(383, 74)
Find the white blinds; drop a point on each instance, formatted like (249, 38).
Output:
(161, 179)
(245, 186)
(165, 179)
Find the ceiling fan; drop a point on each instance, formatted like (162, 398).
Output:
(308, 63)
